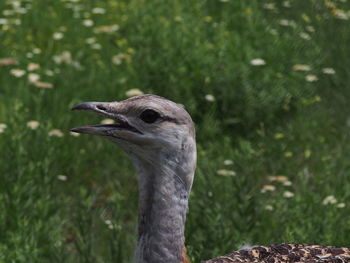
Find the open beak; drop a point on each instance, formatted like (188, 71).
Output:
(106, 109)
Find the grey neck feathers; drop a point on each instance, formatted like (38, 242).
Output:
(164, 189)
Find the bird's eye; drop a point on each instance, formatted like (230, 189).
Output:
(149, 116)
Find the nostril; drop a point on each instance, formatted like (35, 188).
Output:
(100, 107)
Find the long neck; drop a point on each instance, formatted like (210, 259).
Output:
(163, 204)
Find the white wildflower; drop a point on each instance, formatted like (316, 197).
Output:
(341, 205)
(98, 11)
(133, 92)
(64, 57)
(3, 21)
(286, 4)
(330, 71)
(3, 127)
(329, 200)
(106, 29)
(209, 97)
(43, 85)
(17, 72)
(109, 224)
(270, 6)
(268, 188)
(228, 162)
(285, 22)
(33, 66)
(88, 22)
(8, 12)
(90, 40)
(301, 67)
(76, 64)
(278, 178)
(56, 133)
(287, 183)
(33, 77)
(17, 22)
(288, 194)
(74, 134)
(310, 29)
(15, 4)
(118, 59)
(273, 32)
(225, 172)
(257, 62)
(49, 72)
(268, 207)
(37, 51)
(311, 78)
(96, 46)
(340, 14)
(178, 19)
(33, 124)
(58, 35)
(22, 10)
(62, 177)
(305, 35)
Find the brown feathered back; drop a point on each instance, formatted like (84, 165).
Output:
(287, 253)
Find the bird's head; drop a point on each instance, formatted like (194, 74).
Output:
(145, 126)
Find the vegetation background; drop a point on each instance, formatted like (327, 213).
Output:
(267, 83)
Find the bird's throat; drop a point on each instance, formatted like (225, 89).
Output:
(163, 203)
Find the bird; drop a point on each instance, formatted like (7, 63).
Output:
(158, 135)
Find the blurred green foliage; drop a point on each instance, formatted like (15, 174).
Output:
(267, 83)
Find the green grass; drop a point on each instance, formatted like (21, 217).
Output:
(269, 120)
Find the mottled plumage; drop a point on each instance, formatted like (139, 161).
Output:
(159, 137)
(287, 253)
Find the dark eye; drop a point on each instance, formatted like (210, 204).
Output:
(149, 116)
